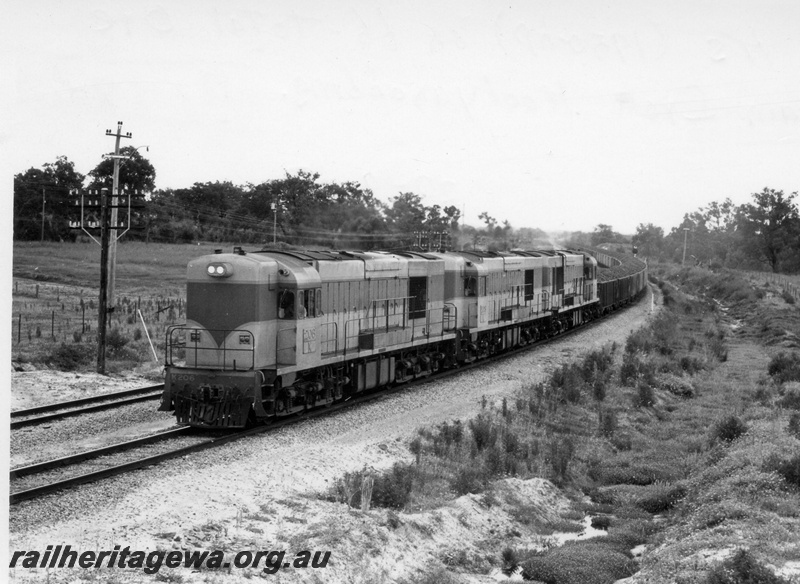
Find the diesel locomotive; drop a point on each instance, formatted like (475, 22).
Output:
(272, 333)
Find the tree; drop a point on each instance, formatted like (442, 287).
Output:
(603, 234)
(649, 239)
(770, 226)
(53, 183)
(136, 172)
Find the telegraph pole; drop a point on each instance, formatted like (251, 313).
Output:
(42, 214)
(685, 235)
(103, 303)
(112, 251)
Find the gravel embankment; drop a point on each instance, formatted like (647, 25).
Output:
(305, 457)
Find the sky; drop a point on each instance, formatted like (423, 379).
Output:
(557, 115)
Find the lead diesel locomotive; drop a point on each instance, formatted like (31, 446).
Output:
(272, 333)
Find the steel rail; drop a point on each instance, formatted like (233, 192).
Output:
(39, 467)
(32, 493)
(99, 402)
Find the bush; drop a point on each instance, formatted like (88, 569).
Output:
(71, 357)
(676, 385)
(794, 425)
(661, 497)
(742, 568)
(591, 562)
(645, 396)
(393, 489)
(784, 367)
(561, 452)
(788, 469)
(787, 297)
(484, 431)
(469, 479)
(729, 429)
(608, 423)
(634, 369)
(791, 399)
(115, 340)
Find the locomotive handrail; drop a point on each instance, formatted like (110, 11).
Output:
(328, 341)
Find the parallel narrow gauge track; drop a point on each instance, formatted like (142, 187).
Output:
(205, 442)
(105, 401)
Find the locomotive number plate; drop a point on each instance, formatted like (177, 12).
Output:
(309, 341)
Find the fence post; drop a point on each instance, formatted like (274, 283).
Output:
(19, 329)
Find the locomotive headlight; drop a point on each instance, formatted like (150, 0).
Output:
(219, 270)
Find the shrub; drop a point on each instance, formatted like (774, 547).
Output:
(794, 425)
(676, 385)
(591, 562)
(115, 340)
(484, 431)
(661, 497)
(633, 369)
(791, 399)
(787, 297)
(784, 367)
(788, 469)
(393, 489)
(468, 479)
(742, 568)
(729, 429)
(692, 365)
(71, 357)
(562, 449)
(608, 423)
(645, 396)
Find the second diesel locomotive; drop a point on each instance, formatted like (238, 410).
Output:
(271, 333)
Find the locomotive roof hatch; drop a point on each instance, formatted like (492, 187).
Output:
(293, 271)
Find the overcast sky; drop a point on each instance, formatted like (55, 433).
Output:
(558, 115)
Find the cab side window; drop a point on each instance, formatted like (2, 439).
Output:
(286, 307)
(470, 286)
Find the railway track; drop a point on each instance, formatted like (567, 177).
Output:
(203, 442)
(55, 411)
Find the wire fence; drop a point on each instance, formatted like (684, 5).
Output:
(44, 313)
(789, 284)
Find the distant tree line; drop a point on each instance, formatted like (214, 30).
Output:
(301, 210)
(761, 234)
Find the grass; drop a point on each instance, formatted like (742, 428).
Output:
(691, 423)
(55, 297)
